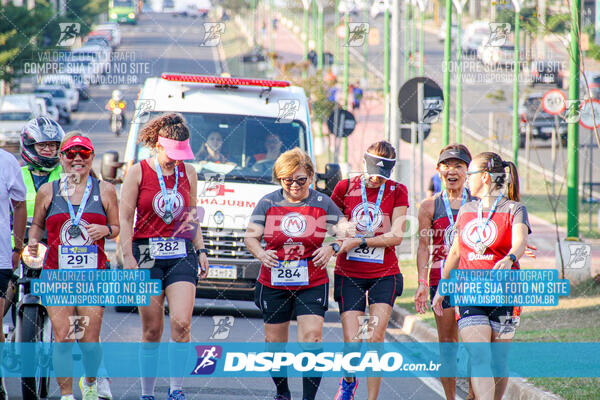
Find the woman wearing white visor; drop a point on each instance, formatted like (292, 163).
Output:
(367, 267)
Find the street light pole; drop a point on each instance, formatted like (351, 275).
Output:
(573, 133)
(346, 73)
(422, 39)
(460, 6)
(336, 23)
(306, 4)
(321, 32)
(386, 71)
(413, 38)
(516, 127)
(446, 67)
(405, 51)
(366, 49)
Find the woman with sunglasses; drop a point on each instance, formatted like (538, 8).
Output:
(161, 193)
(293, 221)
(77, 211)
(491, 233)
(437, 216)
(367, 267)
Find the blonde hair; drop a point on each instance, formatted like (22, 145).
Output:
(288, 162)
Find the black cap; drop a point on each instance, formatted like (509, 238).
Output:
(379, 166)
(457, 154)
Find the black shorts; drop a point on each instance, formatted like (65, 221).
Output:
(280, 305)
(499, 318)
(350, 293)
(445, 302)
(6, 275)
(168, 271)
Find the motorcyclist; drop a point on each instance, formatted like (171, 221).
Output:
(116, 101)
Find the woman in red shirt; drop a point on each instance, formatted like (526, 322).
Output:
(161, 193)
(78, 211)
(491, 234)
(367, 267)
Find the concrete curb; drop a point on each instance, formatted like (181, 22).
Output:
(518, 388)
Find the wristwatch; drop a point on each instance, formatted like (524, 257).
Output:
(17, 250)
(363, 243)
(512, 257)
(335, 246)
(200, 251)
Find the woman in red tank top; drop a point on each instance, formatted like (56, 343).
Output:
(491, 234)
(166, 239)
(435, 229)
(83, 217)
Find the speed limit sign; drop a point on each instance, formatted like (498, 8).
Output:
(554, 102)
(589, 117)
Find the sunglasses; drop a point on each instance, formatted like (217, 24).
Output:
(71, 154)
(299, 181)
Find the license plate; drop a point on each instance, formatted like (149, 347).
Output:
(222, 272)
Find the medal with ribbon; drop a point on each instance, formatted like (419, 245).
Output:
(480, 248)
(74, 230)
(365, 204)
(168, 198)
(450, 215)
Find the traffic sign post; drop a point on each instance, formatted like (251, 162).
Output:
(341, 123)
(516, 126)
(554, 102)
(589, 118)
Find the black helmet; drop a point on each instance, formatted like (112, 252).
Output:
(40, 130)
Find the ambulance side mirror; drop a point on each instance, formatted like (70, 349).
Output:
(331, 176)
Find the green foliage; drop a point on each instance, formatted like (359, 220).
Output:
(557, 23)
(237, 6)
(316, 91)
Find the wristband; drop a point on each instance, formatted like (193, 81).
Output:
(424, 282)
(200, 251)
(512, 257)
(17, 250)
(109, 230)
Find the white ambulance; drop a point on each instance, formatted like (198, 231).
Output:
(254, 120)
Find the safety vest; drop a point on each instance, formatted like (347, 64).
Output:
(31, 192)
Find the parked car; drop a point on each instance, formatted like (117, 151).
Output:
(51, 108)
(442, 32)
(114, 30)
(593, 80)
(546, 72)
(542, 124)
(497, 56)
(97, 41)
(15, 111)
(82, 85)
(60, 98)
(475, 35)
(98, 54)
(378, 8)
(67, 82)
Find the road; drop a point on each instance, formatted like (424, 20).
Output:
(165, 43)
(478, 84)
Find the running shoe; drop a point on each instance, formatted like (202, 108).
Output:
(2, 389)
(281, 397)
(146, 397)
(176, 395)
(346, 390)
(104, 388)
(88, 392)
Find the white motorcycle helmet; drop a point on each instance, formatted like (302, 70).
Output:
(117, 95)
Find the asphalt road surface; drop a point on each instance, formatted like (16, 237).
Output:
(157, 44)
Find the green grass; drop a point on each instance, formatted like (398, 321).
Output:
(407, 300)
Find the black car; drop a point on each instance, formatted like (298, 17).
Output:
(542, 124)
(547, 72)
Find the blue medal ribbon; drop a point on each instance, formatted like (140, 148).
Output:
(480, 227)
(365, 204)
(168, 199)
(86, 195)
(449, 209)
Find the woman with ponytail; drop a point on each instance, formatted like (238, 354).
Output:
(491, 234)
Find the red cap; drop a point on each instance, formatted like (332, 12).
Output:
(78, 141)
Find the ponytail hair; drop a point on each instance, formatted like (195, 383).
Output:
(493, 164)
(170, 126)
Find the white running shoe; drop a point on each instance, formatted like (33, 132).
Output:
(104, 388)
(67, 397)
(88, 392)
